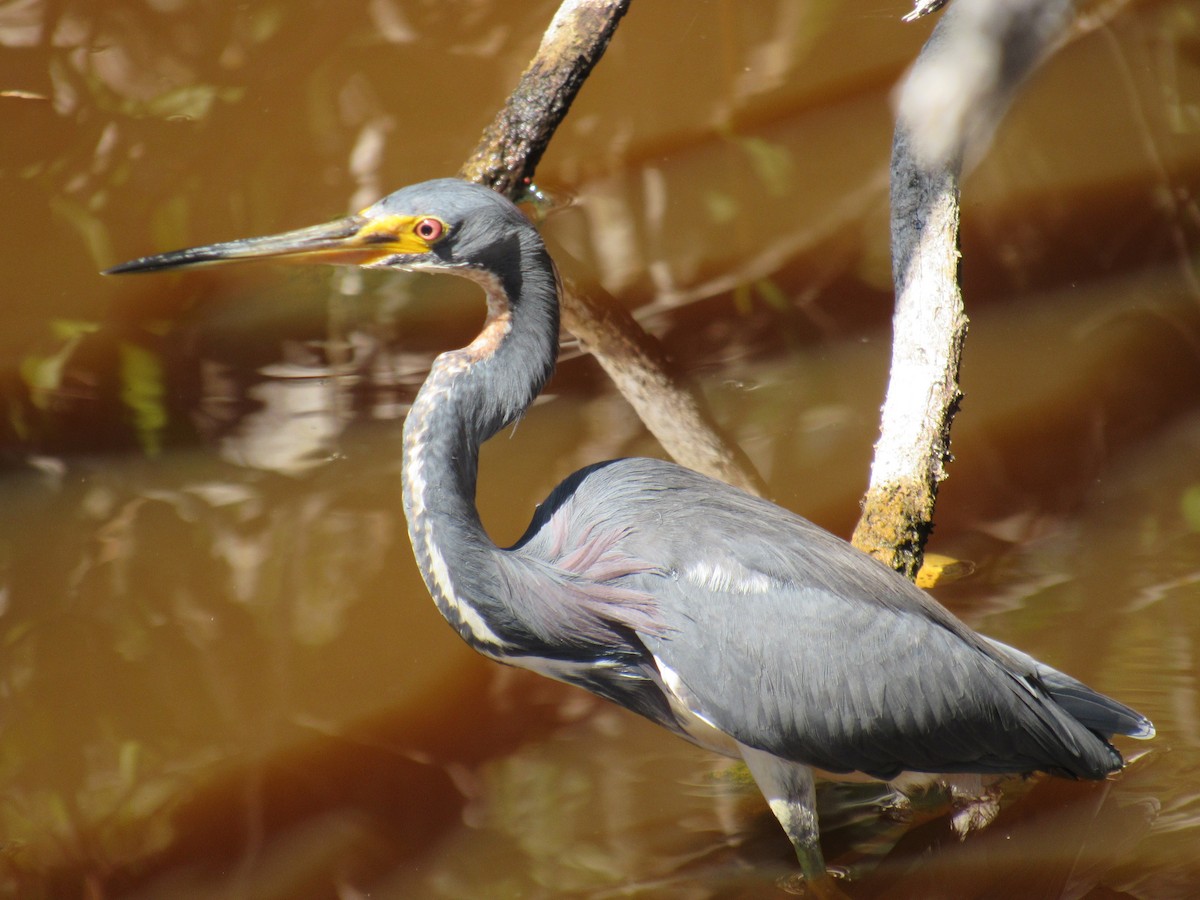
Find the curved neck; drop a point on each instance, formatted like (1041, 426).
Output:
(471, 394)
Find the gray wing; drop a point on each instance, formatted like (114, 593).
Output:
(791, 641)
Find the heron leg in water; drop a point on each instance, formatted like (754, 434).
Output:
(792, 796)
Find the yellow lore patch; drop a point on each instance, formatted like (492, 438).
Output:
(395, 234)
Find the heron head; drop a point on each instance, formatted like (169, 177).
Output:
(447, 224)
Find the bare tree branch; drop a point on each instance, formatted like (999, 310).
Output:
(949, 107)
(505, 159)
(644, 375)
(512, 146)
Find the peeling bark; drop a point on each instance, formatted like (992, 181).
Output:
(949, 107)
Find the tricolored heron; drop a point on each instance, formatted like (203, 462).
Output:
(722, 617)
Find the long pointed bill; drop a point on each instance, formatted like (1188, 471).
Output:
(355, 240)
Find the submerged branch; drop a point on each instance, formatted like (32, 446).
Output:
(949, 107)
(505, 159)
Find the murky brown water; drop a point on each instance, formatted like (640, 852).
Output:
(220, 674)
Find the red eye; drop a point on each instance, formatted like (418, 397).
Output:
(429, 229)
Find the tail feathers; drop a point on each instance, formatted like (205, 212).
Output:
(1093, 710)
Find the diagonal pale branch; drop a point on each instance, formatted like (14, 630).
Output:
(505, 159)
(949, 107)
(647, 379)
